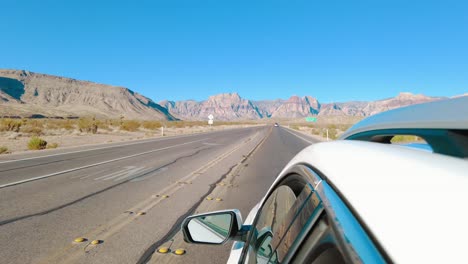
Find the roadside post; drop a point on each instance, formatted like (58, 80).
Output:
(210, 120)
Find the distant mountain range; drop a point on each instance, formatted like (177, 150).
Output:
(231, 106)
(24, 94)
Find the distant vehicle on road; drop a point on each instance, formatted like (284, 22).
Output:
(361, 199)
(276, 124)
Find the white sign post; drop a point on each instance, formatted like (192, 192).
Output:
(210, 119)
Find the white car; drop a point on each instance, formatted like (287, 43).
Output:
(360, 199)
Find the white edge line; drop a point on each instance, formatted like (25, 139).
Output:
(95, 164)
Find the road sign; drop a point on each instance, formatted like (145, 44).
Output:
(311, 119)
(210, 117)
(210, 122)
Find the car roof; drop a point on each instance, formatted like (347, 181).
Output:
(442, 124)
(443, 114)
(412, 202)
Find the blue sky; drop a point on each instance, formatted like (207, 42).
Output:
(333, 50)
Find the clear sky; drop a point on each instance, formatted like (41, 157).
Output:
(333, 50)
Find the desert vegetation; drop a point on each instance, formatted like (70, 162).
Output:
(37, 143)
(321, 128)
(18, 134)
(3, 150)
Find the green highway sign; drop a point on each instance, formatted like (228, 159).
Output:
(311, 119)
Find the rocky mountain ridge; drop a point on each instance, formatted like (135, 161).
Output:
(24, 93)
(231, 107)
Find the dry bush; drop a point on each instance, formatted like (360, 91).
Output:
(115, 122)
(103, 124)
(52, 124)
(3, 150)
(8, 124)
(33, 126)
(32, 130)
(68, 124)
(88, 125)
(52, 145)
(36, 143)
(56, 124)
(151, 125)
(295, 127)
(315, 131)
(130, 125)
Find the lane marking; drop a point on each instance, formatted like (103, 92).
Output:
(126, 144)
(311, 142)
(208, 206)
(69, 253)
(95, 164)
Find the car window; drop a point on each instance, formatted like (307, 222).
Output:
(282, 244)
(320, 246)
(280, 210)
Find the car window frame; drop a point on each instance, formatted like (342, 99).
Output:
(354, 239)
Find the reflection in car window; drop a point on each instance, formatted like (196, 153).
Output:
(283, 244)
(276, 216)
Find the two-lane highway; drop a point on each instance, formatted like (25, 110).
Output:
(129, 196)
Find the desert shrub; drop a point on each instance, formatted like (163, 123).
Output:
(32, 126)
(102, 124)
(295, 127)
(87, 125)
(8, 124)
(36, 143)
(405, 138)
(52, 124)
(115, 122)
(151, 125)
(130, 125)
(315, 131)
(52, 145)
(67, 124)
(3, 150)
(31, 129)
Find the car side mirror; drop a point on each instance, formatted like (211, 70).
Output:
(214, 228)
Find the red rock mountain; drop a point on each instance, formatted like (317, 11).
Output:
(233, 107)
(24, 93)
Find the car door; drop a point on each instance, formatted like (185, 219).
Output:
(287, 208)
(304, 220)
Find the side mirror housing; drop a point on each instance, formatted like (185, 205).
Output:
(214, 228)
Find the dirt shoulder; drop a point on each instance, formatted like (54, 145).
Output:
(17, 142)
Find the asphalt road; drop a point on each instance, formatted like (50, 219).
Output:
(132, 196)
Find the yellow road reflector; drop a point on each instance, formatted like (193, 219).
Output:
(209, 198)
(163, 250)
(219, 199)
(165, 196)
(222, 184)
(141, 213)
(179, 251)
(80, 239)
(96, 242)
